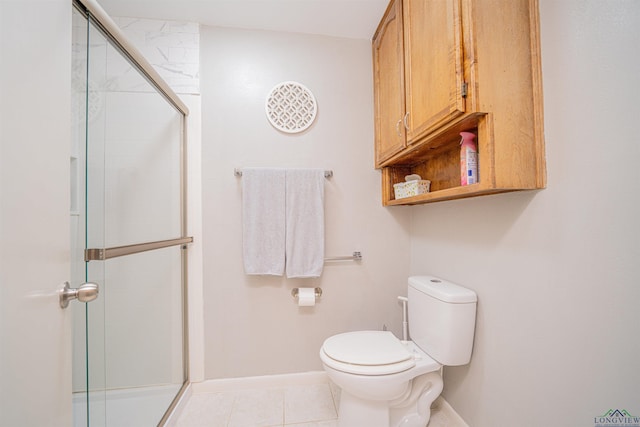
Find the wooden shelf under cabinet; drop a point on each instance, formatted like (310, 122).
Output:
(501, 167)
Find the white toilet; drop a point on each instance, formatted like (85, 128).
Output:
(387, 382)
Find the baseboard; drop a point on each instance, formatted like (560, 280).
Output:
(266, 381)
(444, 415)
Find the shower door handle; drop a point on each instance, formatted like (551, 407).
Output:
(87, 292)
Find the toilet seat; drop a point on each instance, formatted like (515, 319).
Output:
(367, 353)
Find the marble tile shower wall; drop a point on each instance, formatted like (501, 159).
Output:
(172, 47)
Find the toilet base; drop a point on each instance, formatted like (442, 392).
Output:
(355, 412)
(411, 410)
(415, 409)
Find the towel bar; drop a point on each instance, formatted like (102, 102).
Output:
(103, 254)
(327, 173)
(356, 256)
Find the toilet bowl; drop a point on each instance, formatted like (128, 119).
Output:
(387, 382)
(382, 376)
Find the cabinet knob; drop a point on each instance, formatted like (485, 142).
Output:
(405, 120)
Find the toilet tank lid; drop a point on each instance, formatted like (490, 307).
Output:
(442, 289)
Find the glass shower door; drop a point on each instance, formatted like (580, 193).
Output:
(128, 236)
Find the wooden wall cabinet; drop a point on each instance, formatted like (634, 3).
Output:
(458, 65)
(388, 57)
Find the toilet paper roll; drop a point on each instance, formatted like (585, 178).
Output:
(306, 297)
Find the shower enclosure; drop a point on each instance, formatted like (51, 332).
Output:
(128, 233)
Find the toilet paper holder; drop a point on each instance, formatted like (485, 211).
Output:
(295, 291)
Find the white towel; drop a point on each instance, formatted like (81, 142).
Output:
(263, 220)
(304, 222)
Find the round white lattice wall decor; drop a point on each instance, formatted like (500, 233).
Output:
(291, 107)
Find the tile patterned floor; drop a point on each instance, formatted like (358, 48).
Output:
(294, 406)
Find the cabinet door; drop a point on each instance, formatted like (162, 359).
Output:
(388, 79)
(434, 64)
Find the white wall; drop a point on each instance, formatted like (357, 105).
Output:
(35, 117)
(252, 324)
(556, 271)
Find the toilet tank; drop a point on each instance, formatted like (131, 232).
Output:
(442, 319)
